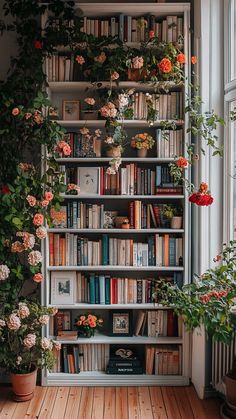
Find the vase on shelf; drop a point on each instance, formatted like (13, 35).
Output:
(24, 385)
(142, 152)
(176, 222)
(85, 334)
(114, 152)
(89, 115)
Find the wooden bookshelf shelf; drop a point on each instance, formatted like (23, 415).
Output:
(129, 340)
(127, 123)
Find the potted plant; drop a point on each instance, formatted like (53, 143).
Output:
(142, 142)
(171, 216)
(23, 350)
(89, 113)
(87, 324)
(115, 141)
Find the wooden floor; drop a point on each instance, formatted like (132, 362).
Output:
(110, 403)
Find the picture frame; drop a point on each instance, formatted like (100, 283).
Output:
(63, 287)
(71, 110)
(120, 322)
(88, 179)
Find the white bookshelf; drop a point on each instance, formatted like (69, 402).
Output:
(68, 89)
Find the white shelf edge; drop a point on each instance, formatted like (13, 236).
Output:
(134, 340)
(107, 159)
(136, 306)
(61, 86)
(116, 268)
(126, 122)
(134, 197)
(115, 230)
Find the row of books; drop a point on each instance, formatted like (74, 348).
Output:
(81, 215)
(71, 250)
(167, 106)
(169, 143)
(78, 358)
(131, 179)
(107, 289)
(130, 29)
(156, 323)
(163, 359)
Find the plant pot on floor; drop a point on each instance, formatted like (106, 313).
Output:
(114, 152)
(24, 385)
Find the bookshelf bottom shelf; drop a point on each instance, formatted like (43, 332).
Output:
(103, 379)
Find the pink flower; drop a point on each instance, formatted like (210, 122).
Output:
(28, 239)
(37, 44)
(38, 219)
(57, 345)
(23, 311)
(31, 200)
(44, 319)
(137, 62)
(109, 110)
(29, 340)
(217, 258)
(109, 140)
(15, 111)
(84, 131)
(90, 101)
(98, 132)
(41, 232)
(54, 311)
(35, 257)
(28, 115)
(66, 150)
(80, 59)
(48, 196)
(46, 344)
(4, 272)
(115, 76)
(73, 187)
(101, 58)
(25, 166)
(38, 277)
(2, 323)
(38, 118)
(44, 203)
(17, 247)
(13, 322)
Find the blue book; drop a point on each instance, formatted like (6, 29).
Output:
(107, 290)
(121, 27)
(92, 289)
(105, 248)
(158, 176)
(97, 300)
(65, 358)
(102, 289)
(150, 255)
(76, 359)
(74, 214)
(172, 251)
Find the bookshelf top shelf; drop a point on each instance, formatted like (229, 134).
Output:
(100, 123)
(101, 197)
(157, 9)
(83, 306)
(115, 230)
(66, 86)
(116, 268)
(136, 340)
(146, 160)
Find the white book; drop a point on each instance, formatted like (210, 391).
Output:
(140, 254)
(169, 20)
(144, 254)
(102, 289)
(67, 69)
(135, 254)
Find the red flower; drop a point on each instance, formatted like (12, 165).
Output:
(151, 34)
(165, 65)
(182, 162)
(5, 190)
(194, 59)
(38, 44)
(181, 58)
(201, 199)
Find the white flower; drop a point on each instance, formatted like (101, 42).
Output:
(109, 140)
(13, 322)
(111, 171)
(57, 345)
(41, 232)
(4, 272)
(46, 344)
(35, 257)
(98, 132)
(18, 360)
(137, 62)
(23, 311)
(2, 323)
(44, 319)
(123, 100)
(90, 101)
(29, 340)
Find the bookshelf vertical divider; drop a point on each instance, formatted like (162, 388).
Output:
(93, 372)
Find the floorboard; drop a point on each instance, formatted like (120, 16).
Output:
(109, 403)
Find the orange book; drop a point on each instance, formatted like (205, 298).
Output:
(62, 251)
(71, 363)
(166, 249)
(56, 247)
(51, 249)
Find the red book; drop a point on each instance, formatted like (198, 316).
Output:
(51, 249)
(101, 181)
(131, 214)
(170, 323)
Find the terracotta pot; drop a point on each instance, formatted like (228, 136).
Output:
(230, 384)
(136, 75)
(142, 152)
(176, 222)
(114, 152)
(24, 385)
(89, 115)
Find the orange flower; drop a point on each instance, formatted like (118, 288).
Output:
(38, 219)
(182, 162)
(38, 277)
(194, 59)
(203, 188)
(165, 65)
(181, 58)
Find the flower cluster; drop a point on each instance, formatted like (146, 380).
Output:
(20, 330)
(202, 197)
(63, 148)
(108, 110)
(205, 298)
(86, 324)
(142, 140)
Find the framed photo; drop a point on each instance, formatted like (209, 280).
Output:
(89, 180)
(121, 323)
(63, 287)
(71, 110)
